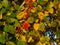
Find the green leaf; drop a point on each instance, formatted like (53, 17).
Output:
(46, 19)
(9, 28)
(17, 7)
(19, 42)
(58, 33)
(31, 19)
(37, 33)
(53, 24)
(39, 7)
(16, 23)
(35, 4)
(10, 43)
(5, 3)
(0, 5)
(42, 27)
(3, 10)
(35, 14)
(13, 20)
(42, 2)
(2, 37)
(42, 39)
(13, 15)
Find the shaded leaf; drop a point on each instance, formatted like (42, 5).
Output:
(9, 28)
(2, 38)
(53, 24)
(31, 19)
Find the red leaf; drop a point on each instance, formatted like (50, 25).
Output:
(26, 25)
(19, 28)
(30, 2)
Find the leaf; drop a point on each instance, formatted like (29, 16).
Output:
(35, 14)
(10, 43)
(42, 39)
(47, 38)
(57, 33)
(42, 2)
(17, 7)
(51, 10)
(2, 38)
(23, 37)
(31, 19)
(13, 20)
(0, 16)
(39, 7)
(35, 4)
(19, 42)
(9, 28)
(26, 25)
(53, 24)
(3, 10)
(46, 19)
(39, 43)
(42, 27)
(30, 39)
(20, 15)
(0, 5)
(13, 15)
(5, 3)
(36, 26)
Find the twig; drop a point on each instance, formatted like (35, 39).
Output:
(22, 4)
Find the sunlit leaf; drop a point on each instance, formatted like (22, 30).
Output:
(19, 42)
(42, 39)
(35, 3)
(5, 3)
(10, 43)
(36, 26)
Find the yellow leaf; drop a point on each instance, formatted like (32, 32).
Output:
(59, 6)
(47, 43)
(23, 37)
(37, 20)
(21, 15)
(46, 0)
(51, 4)
(8, 13)
(41, 15)
(33, 9)
(51, 10)
(44, 44)
(1, 16)
(33, 0)
(46, 13)
(39, 43)
(17, 35)
(30, 38)
(36, 26)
